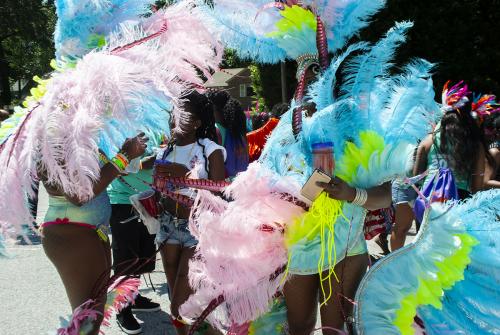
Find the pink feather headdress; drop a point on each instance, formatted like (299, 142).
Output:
(454, 97)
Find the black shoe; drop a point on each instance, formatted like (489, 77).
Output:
(143, 304)
(127, 322)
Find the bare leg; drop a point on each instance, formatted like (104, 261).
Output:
(301, 298)
(83, 261)
(170, 255)
(350, 271)
(404, 219)
(182, 290)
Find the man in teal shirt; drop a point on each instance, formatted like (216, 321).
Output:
(132, 245)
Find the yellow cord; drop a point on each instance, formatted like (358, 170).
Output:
(320, 219)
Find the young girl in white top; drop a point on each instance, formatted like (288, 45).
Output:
(192, 152)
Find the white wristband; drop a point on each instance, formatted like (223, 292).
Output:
(361, 197)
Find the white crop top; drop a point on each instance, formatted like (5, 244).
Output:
(193, 158)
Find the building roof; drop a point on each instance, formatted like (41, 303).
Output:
(222, 77)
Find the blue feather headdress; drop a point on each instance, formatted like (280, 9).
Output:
(270, 32)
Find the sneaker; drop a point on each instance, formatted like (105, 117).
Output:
(127, 322)
(143, 304)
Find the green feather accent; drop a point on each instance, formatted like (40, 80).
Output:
(354, 156)
(430, 290)
(294, 18)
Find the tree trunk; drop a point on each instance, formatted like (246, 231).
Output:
(5, 95)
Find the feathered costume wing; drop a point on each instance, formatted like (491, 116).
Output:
(448, 276)
(132, 82)
(368, 150)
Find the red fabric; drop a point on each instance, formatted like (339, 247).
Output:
(66, 221)
(257, 138)
(378, 221)
(177, 324)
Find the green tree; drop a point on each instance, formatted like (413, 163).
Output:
(26, 41)
(460, 37)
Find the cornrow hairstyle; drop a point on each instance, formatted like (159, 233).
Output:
(235, 119)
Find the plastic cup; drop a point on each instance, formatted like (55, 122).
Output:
(323, 158)
(148, 201)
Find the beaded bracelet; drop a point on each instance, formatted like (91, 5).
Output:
(120, 162)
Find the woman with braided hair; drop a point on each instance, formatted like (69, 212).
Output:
(235, 140)
(230, 123)
(194, 151)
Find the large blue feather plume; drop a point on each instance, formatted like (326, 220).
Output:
(83, 24)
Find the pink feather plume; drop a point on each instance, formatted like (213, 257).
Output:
(241, 245)
(120, 294)
(81, 319)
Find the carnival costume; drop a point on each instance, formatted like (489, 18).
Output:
(248, 245)
(448, 277)
(117, 73)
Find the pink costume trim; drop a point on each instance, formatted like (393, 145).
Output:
(79, 224)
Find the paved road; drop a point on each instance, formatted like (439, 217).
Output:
(32, 298)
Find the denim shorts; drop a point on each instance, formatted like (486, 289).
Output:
(175, 231)
(402, 193)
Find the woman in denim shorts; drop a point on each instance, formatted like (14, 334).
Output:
(192, 151)
(403, 198)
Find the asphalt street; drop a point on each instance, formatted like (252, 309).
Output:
(32, 298)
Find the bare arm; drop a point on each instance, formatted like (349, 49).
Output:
(378, 196)
(422, 154)
(133, 147)
(477, 181)
(216, 169)
(492, 171)
(148, 162)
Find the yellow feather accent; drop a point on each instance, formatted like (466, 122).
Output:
(294, 18)
(430, 291)
(354, 156)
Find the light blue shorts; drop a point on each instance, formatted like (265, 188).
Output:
(175, 231)
(403, 194)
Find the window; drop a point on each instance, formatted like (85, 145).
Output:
(249, 90)
(243, 90)
(246, 90)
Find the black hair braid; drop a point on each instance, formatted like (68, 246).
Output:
(235, 119)
(169, 149)
(200, 106)
(204, 154)
(218, 98)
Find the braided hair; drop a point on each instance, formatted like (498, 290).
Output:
(218, 98)
(202, 109)
(200, 106)
(235, 119)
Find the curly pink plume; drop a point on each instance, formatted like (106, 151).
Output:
(454, 97)
(82, 317)
(120, 294)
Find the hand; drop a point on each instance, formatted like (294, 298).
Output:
(338, 189)
(135, 147)
(172, 170)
